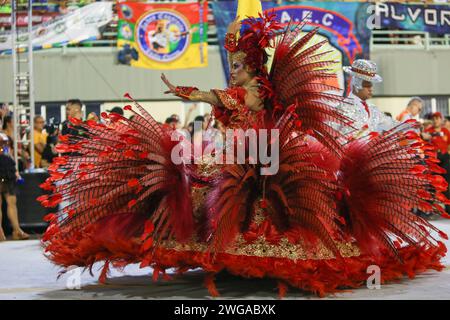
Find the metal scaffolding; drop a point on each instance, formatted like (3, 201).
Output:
(23, 85)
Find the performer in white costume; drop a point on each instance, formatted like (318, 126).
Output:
(366, 117)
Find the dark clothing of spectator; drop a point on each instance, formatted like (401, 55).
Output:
(73, 131)
(48, 154)
(70, 129)
(8, 179)
(445, 164)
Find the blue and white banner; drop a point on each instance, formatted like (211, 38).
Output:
(415, 17)
(344, 24)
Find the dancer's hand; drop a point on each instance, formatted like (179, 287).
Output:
(172, 88)
(234, 26)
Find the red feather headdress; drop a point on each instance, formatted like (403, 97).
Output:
(256, 37)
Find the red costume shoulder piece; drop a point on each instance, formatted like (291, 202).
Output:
(234, 113)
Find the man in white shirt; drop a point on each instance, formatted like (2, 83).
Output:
(366, 117)
(413, 109)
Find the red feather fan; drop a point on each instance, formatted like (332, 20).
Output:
(123, 167)
(300, 194)
(384, 178)
(298, 72)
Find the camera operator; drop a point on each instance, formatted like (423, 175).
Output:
(52, 140)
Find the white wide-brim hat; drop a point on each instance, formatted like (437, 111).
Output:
(365, 70)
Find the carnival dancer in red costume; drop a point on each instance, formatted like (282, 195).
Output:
(330, 211)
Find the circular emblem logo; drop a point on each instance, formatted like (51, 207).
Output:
(163, 36)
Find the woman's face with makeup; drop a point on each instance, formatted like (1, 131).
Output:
(239, 76)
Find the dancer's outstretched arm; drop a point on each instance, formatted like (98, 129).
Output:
(216, 98)
(191, 93)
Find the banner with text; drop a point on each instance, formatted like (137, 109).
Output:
(415, 17)
(344, 24)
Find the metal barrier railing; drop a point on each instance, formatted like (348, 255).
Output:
(390, 39)
(380, 39)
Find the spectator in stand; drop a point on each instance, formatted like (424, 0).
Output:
(434, 132)
(8, 128)
(23, 155)
(445, 164)
(4, 111)
(427, 123)
(8, 188)
(40, 140)
(73, 110)
(440, 137)
(447, 123)
(49, 151)
(175, 116)
(172, 123)
(93, 116)
(413, 108)
(116, 110)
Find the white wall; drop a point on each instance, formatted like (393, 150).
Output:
(91, 74)
(410, 72)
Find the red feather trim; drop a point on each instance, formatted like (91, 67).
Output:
(321, 277)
